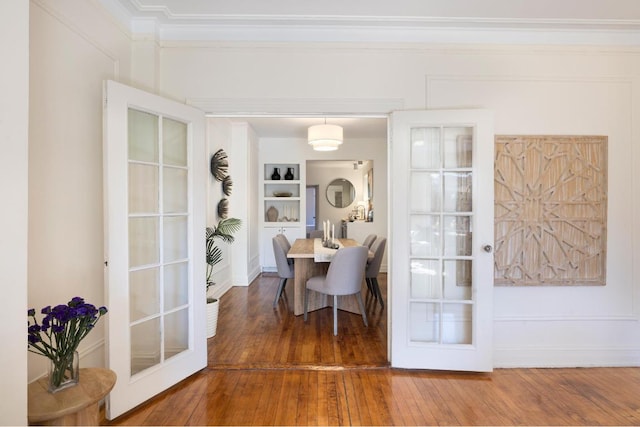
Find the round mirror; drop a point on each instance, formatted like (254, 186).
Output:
(340, 193)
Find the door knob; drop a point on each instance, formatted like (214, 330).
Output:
(487, 248)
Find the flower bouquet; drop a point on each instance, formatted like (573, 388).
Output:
(58, 335)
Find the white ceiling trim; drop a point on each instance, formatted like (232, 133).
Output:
(458, 35)
(166, 25)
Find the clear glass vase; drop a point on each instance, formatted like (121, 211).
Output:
(64, 372)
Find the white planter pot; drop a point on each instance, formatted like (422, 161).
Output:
(212, 318)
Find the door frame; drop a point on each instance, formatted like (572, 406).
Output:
(279, 108)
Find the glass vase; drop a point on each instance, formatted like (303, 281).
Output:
(64, 372)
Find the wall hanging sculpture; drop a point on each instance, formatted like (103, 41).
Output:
(227, 185)
(219, 165)
(550, 210)
(223, 208)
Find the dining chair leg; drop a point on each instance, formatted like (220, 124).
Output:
(364, 314)
(376, 290)
(306, 300)
(366, 279)
(335, 315)
(283, 281)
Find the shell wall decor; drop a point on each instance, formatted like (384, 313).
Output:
(227, 184)
(219, 165)
(223, 208)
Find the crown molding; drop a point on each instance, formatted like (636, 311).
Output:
(167, 25)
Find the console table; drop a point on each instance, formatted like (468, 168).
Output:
(77, 405)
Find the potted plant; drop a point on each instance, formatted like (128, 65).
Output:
(223, 231)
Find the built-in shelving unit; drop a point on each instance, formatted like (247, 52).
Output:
(282, 196)
(282, 207)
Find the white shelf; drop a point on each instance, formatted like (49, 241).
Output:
(282, 181)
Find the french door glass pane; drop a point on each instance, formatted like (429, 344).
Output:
(175, 285)
(457, 279)
(174, 190)
(143, 136)
(458, 147)
(143, 188)
(144, 293)
(174, 142)
(425, 148)
(456, 323)
(457, 191)
(424, 322)
(426, 192)
(457, 235)
(176, 327)
(145, 345)
(425, 279)
(144, 245)
(425, 235)
(175, 238)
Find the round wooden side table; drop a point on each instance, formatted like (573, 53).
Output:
(77, 405)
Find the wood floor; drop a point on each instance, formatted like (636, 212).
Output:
(267, 367)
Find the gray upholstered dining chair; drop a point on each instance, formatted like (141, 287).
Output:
(281, 246)
(344, 277)
(373, 268)
(368, 241)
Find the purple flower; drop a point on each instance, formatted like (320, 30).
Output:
(62, 328)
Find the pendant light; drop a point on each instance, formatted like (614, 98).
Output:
(325, 137)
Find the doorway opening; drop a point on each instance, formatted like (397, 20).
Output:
(285, 139)
(312, 208)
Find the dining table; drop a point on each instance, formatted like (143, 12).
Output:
(308, 263)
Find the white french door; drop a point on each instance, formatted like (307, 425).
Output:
(155, 177)
(441, 194)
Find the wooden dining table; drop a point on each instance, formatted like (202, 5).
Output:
(305, 267)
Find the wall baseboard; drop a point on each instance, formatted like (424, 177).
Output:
(565, 357)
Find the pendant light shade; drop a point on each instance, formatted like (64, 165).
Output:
(325, 137)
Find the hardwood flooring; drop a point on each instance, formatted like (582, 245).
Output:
(267, 367)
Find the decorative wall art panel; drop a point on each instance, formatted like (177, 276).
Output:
(550, 210)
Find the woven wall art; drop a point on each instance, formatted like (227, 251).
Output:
(550, 210)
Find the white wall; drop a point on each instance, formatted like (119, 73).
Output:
(244, 204)
(74, 46)
(532, 90)
(14, 125)
(240, 262)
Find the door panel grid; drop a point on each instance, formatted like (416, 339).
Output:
(440, 261)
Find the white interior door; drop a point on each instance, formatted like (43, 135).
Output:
(155, 177)
(441, 164)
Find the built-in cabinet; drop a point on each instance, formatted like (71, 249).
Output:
(359, 230)
(283, 207)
